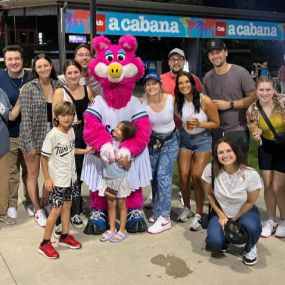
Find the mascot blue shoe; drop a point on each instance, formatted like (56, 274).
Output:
(136, 221)
(97, 223)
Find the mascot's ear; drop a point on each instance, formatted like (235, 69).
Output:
(101, 42)
(128, 42)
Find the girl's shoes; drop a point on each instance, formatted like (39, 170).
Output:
(119, 236)
(108, 235)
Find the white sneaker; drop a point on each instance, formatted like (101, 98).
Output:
(181, 198)
(280, 231)
(250, 258)
(185, 215)
(31, 210)
(196, 223)
(152, 218)
(12, 212)
(269, 228)
(148, 201)
(40, 218)
(162, 224)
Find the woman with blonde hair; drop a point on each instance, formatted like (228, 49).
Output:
(271, 155)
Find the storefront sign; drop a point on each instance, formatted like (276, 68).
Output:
(111, 23)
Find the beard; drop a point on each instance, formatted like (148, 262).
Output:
(176, 71)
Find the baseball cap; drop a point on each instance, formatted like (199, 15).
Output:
(177, 51)
(215, 44)
(153, 76)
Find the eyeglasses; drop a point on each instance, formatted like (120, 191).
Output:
(178, 60)
(83, 55)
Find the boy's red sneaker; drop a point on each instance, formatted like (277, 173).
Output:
(48, 251)
(70, 242)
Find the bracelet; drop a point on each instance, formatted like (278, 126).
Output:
(232, 105)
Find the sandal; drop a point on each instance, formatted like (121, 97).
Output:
(108, 235)
(119, 236)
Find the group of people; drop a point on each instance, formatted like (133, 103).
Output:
(191, 122)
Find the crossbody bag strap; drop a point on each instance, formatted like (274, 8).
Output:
(69, 94)
(266, 119)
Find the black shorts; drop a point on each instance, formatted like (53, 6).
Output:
(271, 156)
(61, 194)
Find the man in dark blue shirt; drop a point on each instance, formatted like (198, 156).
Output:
(11, 81)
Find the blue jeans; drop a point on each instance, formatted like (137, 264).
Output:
(250, 221)
(162, 163)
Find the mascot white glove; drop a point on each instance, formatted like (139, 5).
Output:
(123, 153)
(107, 152)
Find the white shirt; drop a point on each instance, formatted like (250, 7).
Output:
(161, 122)
(230, 190)
(59, 147)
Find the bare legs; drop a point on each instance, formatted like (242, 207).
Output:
(112, 214)
(200, 161)
(192, 165)
(274, 192)
(33, 167)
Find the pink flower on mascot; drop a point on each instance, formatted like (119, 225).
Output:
(117, 68)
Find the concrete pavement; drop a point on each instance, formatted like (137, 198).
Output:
(177, 256)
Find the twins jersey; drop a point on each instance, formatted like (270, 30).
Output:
(59, 147)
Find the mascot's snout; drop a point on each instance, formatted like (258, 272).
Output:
(115, 70)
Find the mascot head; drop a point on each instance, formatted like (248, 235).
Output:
(117, 68)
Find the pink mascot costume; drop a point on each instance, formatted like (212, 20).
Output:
(117, 68)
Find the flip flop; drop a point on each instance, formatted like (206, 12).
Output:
(119, 236)
(108, 235)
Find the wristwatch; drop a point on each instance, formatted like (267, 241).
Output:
(232, 105)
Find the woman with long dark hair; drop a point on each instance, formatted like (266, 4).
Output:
(36, 112)
(198, 114)
(233, 195)
(80, 96)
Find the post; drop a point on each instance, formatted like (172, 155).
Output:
(93, 30)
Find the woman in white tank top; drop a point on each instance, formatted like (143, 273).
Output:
(163, 150)
(198, 114)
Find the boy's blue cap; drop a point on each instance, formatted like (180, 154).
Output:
(153, 76)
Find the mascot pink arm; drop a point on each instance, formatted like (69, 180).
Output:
(117, 68)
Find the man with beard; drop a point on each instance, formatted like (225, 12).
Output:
(176, 61)
(232, 90)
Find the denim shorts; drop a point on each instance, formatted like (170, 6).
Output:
(197, 142)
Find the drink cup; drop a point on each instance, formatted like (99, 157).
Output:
(190, 124)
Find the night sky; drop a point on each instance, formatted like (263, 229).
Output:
(274, 5)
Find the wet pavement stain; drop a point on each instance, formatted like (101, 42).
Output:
(174, 266)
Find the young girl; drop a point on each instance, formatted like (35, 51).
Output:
(116, 185)
(58, 164)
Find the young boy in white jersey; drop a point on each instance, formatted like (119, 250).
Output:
(58, 164)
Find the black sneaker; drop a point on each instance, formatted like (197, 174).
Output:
(76, 221)
(250, 258)
(57, 231)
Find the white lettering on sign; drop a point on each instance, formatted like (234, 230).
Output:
(143, 25)
(220, 29)
(252, 30)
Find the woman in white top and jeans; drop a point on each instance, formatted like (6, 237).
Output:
(235, 192)
(198, 114)
(163, 150)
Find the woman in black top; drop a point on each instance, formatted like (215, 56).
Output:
(80, 95)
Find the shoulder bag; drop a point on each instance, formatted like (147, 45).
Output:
(279, 138)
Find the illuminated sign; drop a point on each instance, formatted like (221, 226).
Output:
(111, 23)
